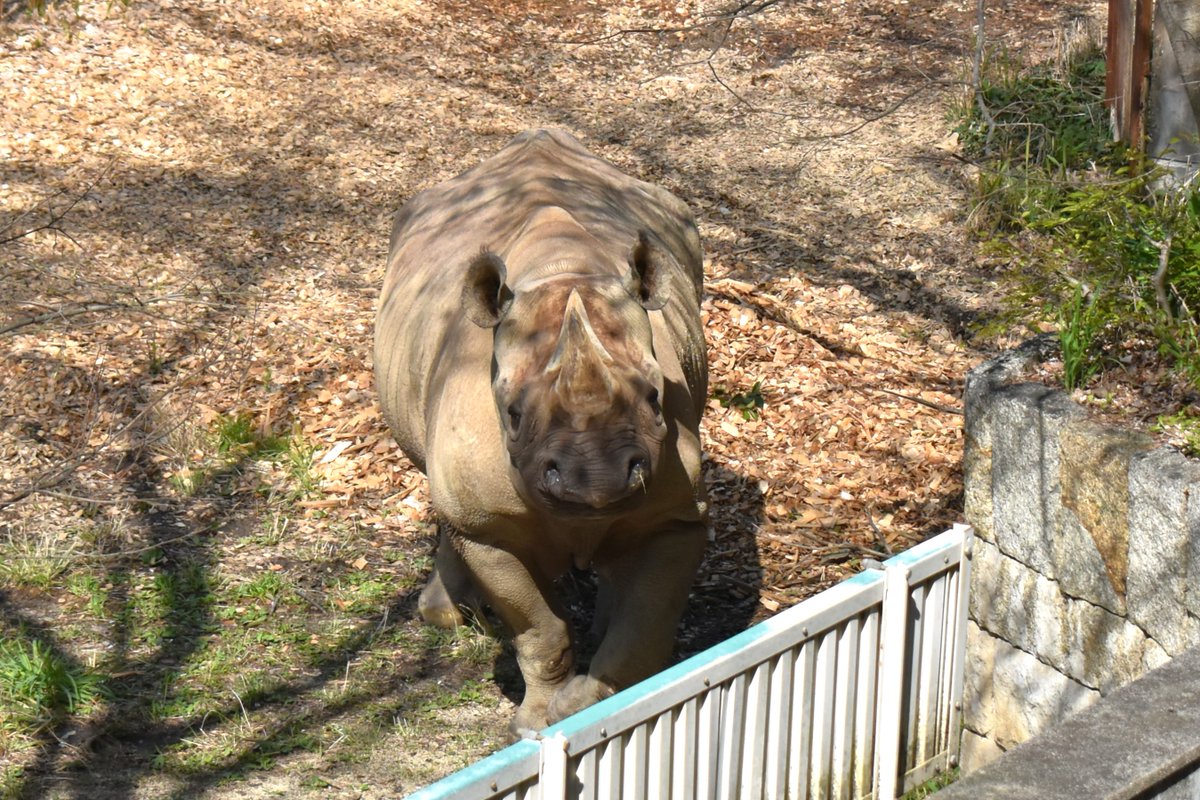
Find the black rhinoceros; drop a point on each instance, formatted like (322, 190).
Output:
(539, 355)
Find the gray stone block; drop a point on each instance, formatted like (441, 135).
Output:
(1160, 550)
(977, 478)
(1010, 696)
(978, 399)
(1011, 601)
(977, 751)
(1154, 656)
(1026, 421)
(1091, 541)
(1184, 788)
(1191, 573)
(1085, 642)
(1079, 565)
(1102, 650)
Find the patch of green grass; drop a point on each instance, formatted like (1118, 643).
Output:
(12, 780)
(239, 435)
(39, 688)
(1187, 425)
(359, 592)
(931, 786)
(232, 441)
(1079, 326)
(298, 460)
(1099, 243)
(1051, 114)
(35, 558)
(89, 587)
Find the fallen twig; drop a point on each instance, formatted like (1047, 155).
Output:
(68, 310)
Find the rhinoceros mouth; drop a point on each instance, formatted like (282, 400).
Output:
(579, 510)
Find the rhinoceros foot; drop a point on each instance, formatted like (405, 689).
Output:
(437, 607)
(528, 721)
(450, 590)
(576, 694)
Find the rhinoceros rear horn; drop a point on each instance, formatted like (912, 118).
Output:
(650, 267)
(485, 297)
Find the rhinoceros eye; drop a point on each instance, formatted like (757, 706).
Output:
(514, 420)
(652, 399)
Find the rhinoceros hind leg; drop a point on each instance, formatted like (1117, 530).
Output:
(449, 590)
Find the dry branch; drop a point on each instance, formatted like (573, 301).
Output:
(55, 217)
(68, 310)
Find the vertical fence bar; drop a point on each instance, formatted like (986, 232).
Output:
(779, 725)
(958, 675)
(708, 743)
(864, 716)
(685, 752)
(636, 762)
(609, 779)
(552, 777)
(824, 688)
(892, 663)
(800, 757)
(845, 698)
(660, 767)
(932, 669)
(754, 749)
(912, 670)
(587, 773)
(733, 716)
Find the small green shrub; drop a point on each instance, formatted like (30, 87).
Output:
(749, 403)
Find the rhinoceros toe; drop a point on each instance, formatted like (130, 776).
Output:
(577, 694)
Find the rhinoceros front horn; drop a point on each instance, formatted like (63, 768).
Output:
(585, 382)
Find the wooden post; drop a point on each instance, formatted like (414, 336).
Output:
(1130, 24)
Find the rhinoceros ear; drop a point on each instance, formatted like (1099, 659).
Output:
(485, 297)
(650, 267)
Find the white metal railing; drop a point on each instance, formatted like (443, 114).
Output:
(854, 693)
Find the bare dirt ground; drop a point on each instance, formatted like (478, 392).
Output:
(195, 199)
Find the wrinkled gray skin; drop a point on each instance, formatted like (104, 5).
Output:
(539, 355)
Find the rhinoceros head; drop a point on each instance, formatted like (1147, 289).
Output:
(575, 380)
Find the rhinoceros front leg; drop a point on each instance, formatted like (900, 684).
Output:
(646, 593)
(450, 588)
(527, 603)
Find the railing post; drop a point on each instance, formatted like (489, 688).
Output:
(892, 669)
(958, 678)
(552, 774)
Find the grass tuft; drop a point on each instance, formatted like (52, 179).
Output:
(39, 688)
(35, 558)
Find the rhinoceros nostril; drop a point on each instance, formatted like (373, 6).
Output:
(638, 472)
(552, 477)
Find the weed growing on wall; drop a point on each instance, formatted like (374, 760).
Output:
(1100, 242)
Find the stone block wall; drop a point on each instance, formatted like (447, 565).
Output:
(1086, 569)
